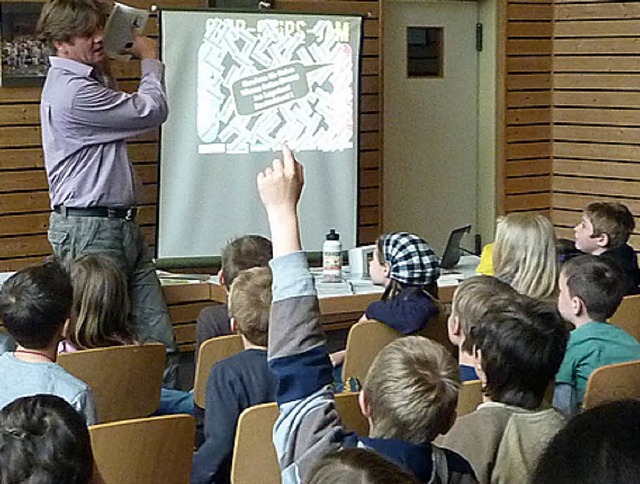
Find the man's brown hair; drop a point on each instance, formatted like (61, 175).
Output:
(613, 219)
(250, 304)
(412, 389)
(62, 20)
(244, 253)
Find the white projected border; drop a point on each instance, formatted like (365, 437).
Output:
(240, 85)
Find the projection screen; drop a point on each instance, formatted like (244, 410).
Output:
(239, 85)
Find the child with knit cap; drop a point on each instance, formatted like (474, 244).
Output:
(408, 268)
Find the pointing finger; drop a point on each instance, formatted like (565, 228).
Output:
(289, 160)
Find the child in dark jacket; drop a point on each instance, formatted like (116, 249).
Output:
(240, 381)
(410, 393)
(604, 230)
(408, 268)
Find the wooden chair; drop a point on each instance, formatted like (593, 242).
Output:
(254, 457)
(152, 449)
(608, 383)
(470, 397)
(438, 331)
(367, 338)
(627, 316)
(364, 342)
(125, 380)
(212, 351)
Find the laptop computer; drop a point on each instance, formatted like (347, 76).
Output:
(452, 252)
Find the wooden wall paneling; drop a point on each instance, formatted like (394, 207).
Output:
(24, 200)
(524, 177)
(596, 109)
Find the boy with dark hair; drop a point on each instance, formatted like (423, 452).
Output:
(35, 304)
(44, 440)
(238, 255)
(591, 289)
(471, 301)
(597, 446)
(604, 230)
(518, 347)
(240, 381)
(409, 395)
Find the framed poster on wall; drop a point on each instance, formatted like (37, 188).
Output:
(25, 59)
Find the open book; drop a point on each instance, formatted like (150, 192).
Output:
(118, 34)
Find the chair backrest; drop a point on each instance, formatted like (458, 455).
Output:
(608, 383)
(627, 316)
(152, 449)
(469, 397)
(437, 331)
(212, 351)
(365, 340)
(125, 380)
(254, 457)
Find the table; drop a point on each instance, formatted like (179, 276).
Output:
(186, 298)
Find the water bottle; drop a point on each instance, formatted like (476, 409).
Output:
(332, 257)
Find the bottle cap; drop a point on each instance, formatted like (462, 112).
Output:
(332, 235)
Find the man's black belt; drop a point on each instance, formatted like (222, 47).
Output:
(125, 213)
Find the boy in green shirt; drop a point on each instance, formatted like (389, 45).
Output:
(591, 289)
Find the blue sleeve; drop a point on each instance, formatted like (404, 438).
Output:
(564, 399)
(225, 400)
(309, 425)
(405, 315)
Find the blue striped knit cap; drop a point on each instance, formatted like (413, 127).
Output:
(411, 259)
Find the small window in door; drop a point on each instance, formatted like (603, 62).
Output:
(424, 51)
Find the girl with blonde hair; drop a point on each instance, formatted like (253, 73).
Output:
(100, 310)
(524, 254)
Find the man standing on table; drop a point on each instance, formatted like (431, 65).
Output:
(92, 184)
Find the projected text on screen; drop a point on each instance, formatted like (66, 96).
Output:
(265, 81)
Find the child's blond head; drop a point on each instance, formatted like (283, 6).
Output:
(471, 302)
(524, 254)
(250, 304)
(412, 390)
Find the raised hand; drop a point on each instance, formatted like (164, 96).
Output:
(281, 183)
(280, 186)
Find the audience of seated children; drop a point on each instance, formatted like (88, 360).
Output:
(524, 255)
(100, 318)
(240, 381)
(35, 304)
(604, 230)
(598, 446)
(468, 309)
(519, 346)
(361, 466)
(44, 440)
(238, 255)
(409, 394)
(591, 289)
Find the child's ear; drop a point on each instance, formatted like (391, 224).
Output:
(453, 327)
(577, 306)
(603, 240)
(386, 269)
(221, 279)
(363, 403)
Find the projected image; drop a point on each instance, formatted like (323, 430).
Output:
(265, 81)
